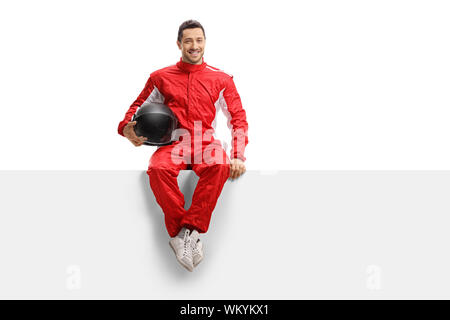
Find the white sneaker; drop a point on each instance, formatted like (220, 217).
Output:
(197, 253)
(197, 250)
(182, 246)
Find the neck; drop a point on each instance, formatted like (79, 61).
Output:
(186, 61)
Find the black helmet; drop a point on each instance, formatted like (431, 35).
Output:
(155, 121)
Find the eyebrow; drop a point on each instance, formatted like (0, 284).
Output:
(191, 38)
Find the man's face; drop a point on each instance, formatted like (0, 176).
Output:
(192, 45)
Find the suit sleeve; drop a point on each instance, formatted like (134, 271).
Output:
(237, 120)
(145, 93)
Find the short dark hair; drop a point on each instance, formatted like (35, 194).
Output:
(189, 24)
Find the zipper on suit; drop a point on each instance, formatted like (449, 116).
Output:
(188, 103)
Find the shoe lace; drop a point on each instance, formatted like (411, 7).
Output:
(195, 249)
(186, 243)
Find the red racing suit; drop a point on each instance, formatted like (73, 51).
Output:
(195, 93)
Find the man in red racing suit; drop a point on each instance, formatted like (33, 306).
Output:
(195, 92)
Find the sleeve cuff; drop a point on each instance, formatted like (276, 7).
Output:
(240, 157)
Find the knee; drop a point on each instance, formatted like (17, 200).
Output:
(161, 170)
(224, 167)
(216, 168)
(152, 170)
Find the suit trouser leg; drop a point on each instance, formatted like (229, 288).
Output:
(212, 178)
(163, 173)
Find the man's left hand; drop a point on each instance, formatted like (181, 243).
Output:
(237, 168)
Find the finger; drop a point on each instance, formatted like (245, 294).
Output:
(241, 171)
(133, 135)
(236, 173)
(238, 168)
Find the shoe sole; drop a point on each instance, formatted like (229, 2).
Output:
(180, 261)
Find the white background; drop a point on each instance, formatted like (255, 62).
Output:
(326, 84)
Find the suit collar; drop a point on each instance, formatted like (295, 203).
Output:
(189, 67)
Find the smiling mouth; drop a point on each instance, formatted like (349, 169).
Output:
(194, 53)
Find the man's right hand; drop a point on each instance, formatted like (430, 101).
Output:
(130, 134)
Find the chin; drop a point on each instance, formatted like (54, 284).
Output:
(196, 61)
(188, 58)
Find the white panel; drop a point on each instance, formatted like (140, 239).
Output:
(273, 235)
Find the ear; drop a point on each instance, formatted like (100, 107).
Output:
(179, 44)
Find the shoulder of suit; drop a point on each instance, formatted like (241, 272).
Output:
(219, 71)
